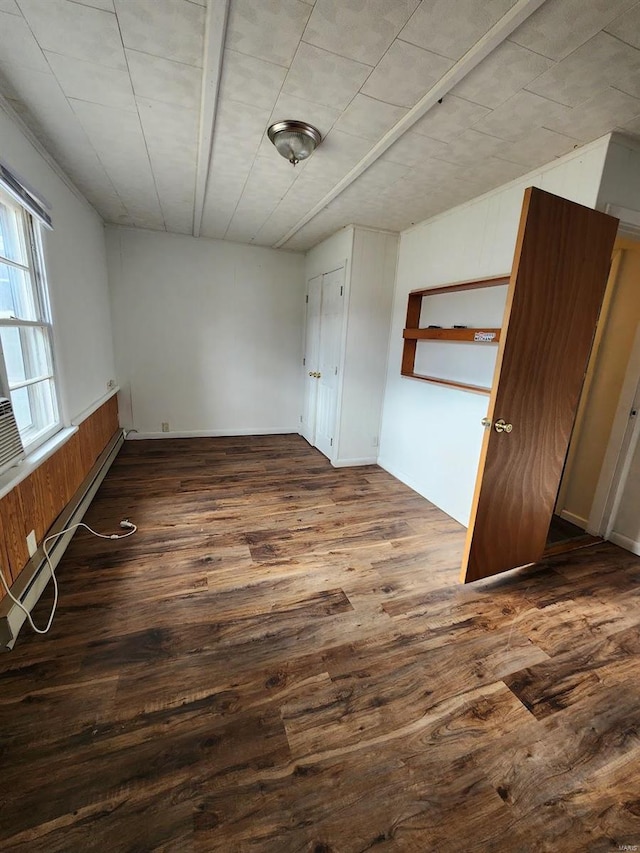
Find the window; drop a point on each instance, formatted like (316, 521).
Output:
(26, 362)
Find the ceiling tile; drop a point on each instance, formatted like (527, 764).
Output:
(603, 61)
(170, 130)
(597, 116)
(173, 29)
(10, 7)
(503, 73)
(249, 80)
(336, 25)
(381, 174)
(319, 115)
(537, 147)
(369, 118)
(164, 80)
(404, 74)
(447, 120)
(470, 148)
(270, 29)
(75, 30)
(269, 179)
(522, 113)
(90, 82)
(238, 131)
(105, 5)
(627, 27)
(117, 138)
(560, 26)
(337, 155)
(451, 27)
(43, 106)
(413, 148)
(18, 45)
(324, 78)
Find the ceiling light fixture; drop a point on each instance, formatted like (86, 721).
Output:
(295, 140)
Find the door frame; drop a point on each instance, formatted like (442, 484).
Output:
(623, 440)
(345, 266)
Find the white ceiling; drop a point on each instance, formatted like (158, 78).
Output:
(112, 88)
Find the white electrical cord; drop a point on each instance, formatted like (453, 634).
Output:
(129, 526)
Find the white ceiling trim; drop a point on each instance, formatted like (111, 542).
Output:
(500, 31)
(214, 38)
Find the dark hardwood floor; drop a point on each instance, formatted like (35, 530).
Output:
(282, 660)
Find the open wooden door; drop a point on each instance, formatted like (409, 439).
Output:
(559, 275)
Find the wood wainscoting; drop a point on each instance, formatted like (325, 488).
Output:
(36, 502)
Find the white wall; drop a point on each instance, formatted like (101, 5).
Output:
(370, 297)
(369, 258)
(208, 334)
(77, 276)
(431, 435)
(620, 183)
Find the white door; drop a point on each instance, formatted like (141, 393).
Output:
(329, 360)
(311, 362)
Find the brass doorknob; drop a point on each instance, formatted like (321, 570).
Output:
(486, 422)
(502, 426)
(311, 373)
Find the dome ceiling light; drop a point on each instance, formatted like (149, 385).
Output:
(295, 140)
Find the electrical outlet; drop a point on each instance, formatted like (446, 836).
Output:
(32, 545)
(165, 426)
(111, 384)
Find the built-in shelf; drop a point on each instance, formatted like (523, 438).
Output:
(413, 333)
(476, 336)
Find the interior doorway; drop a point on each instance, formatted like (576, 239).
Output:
(583, 512)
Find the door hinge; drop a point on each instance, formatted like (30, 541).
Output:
(633, 413)
(307, 298)
(335, 373)
(304, 361)
(300, 418)
(331, 443)
(341, 289)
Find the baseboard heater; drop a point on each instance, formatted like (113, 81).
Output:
(32, 580)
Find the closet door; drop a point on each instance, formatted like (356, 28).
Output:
(311, 358)
(557, 284)
(329, 359)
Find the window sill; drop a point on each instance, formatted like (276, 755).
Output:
(11, 478)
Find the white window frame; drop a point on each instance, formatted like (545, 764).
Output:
(34, 269)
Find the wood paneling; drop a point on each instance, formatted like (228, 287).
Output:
(37, 501)
(281, 661)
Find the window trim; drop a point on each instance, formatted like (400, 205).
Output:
(31, 239)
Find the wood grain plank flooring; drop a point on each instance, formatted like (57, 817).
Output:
(282, 660)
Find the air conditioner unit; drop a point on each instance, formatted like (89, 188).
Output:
(11, 449)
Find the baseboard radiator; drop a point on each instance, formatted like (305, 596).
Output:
(32, 580)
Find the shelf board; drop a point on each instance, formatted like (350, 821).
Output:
(450, 383)
(494, 281)
(452, 335)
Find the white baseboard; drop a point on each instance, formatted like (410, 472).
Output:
(210, 433)
(574, 519)
(624, 542)
(352, 463)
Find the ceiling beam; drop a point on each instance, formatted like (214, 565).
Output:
(214, 37)
(500, 31)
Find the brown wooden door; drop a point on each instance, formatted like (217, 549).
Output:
(556, 288)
